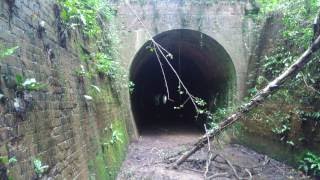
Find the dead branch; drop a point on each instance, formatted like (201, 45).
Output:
(218, 175)
(255, 101)
(250, 175)
(309, 86)
(163, 73)
(232, 167)
(208, 163)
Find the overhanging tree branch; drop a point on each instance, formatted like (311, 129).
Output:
(254, 102)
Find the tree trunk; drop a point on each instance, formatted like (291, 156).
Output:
(254, 102)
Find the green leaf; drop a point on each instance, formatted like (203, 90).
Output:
(290, 143)
(12, 160)
(38, 167)
(87, 97)
(19, 80)
(96, 88)
(4, 160)
(64, 15)
(8, 52)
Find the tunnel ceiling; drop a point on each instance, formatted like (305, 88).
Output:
(203, 64)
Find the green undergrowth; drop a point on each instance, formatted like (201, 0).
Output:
(286, 126)
(98, 52)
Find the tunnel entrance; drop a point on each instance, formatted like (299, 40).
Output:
(203, 65)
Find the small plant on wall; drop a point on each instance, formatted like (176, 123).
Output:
(5, 163)
(94, 19)
(28, 84)
(116, 136)
(23, 99)
(7, 52)
(39, 168)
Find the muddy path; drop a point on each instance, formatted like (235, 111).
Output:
(147, 159)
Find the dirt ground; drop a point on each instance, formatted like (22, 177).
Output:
(148, 158)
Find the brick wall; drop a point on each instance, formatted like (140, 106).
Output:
(59, 126)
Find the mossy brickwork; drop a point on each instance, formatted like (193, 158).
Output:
(66, 131)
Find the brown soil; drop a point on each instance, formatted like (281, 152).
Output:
(148, 159)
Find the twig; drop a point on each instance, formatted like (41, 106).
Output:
(163, 73)
(209, 154)
(208, 163)
(178, 77)
(309, 86)
(209, 146)
(232, 167)
(218, 175)
(250, 175)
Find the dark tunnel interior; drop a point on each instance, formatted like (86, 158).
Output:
(203, 65)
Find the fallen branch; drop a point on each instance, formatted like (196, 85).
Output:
(232, 167)
(250, 174)
(208, 163)
(218, 175)
(254, 102)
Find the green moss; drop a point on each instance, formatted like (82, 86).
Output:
(115, 153)
(111, 141)
(108, 160)
(97, 168)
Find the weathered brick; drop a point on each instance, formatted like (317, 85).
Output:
(57, 127)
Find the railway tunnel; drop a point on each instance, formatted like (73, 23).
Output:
(203, 65)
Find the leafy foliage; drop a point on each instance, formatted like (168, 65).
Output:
(7, 52)
(86, 14)
(310, 164)
(314, 115)
(106, 65)
(283, 126)
(5, 160)
(28, 84)
(296, 35)
(39, 168)
(131, 86)
(218, 116)
(116, 136)
(12, 160)
(95, 19)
